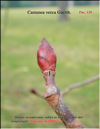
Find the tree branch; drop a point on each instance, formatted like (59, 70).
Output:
(33, 91)
(46, 58)
(79, 84)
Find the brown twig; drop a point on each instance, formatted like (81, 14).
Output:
(79, 84)
(46, 58)
(67, 90)
(33, 91)
(55, 100)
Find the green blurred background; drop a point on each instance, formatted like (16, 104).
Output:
(76, 44)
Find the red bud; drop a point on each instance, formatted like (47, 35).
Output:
(46, 56)
(33, 91)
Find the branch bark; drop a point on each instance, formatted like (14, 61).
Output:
(79, 84)
(55, 100)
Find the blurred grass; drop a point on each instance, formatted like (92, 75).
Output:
(76, 44)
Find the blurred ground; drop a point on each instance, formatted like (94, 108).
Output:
(76, 44)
